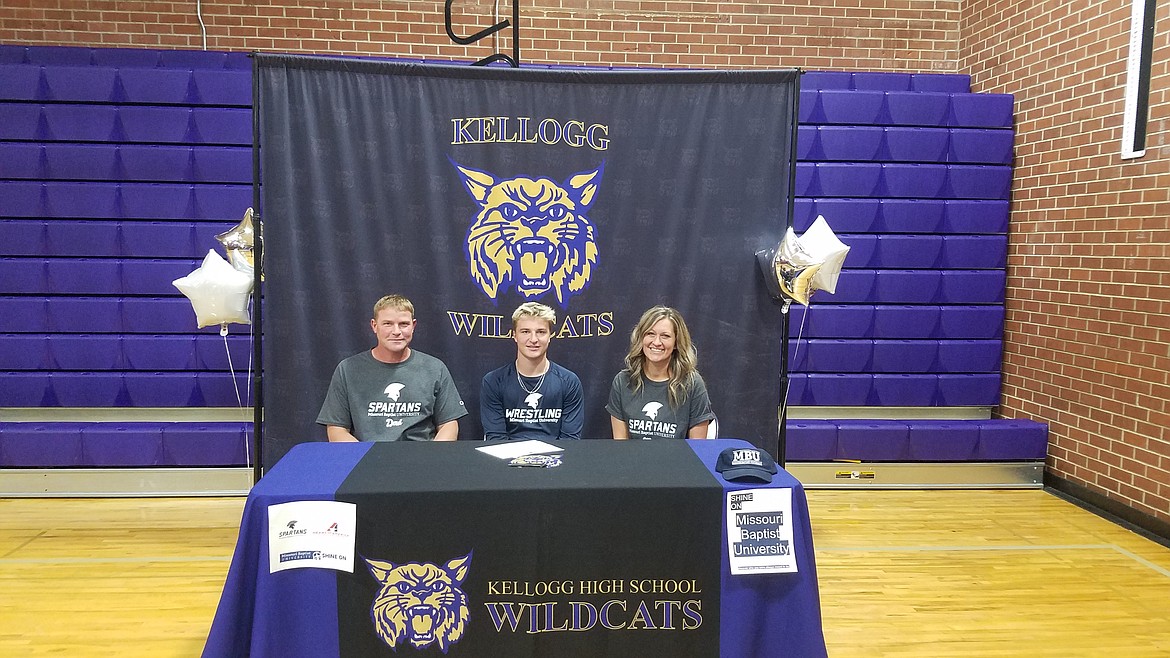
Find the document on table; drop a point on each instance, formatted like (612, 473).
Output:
(513, 449)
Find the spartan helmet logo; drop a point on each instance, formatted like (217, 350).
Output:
(651, 409)
(393, 390)
(420, 603)
(533, 400)
(531, 233)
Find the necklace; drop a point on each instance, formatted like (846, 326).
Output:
(538, 382)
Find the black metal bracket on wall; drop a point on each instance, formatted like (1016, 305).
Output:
(513, 60)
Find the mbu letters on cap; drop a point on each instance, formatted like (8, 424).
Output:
(746, 464)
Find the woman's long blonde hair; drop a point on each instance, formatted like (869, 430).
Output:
(683, 361)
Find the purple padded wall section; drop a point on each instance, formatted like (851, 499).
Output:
(916, 440)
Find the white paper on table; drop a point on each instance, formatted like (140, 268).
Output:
(513, 449)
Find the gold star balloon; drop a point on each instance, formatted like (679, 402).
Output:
(239, 241)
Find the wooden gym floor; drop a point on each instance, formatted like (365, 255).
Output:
(902, 573)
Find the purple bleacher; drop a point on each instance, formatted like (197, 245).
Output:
(83, 276)
(835, 321)
(81, 200)
(803, 214)
(973, 286)
(84, 314)
(810, 440)
(850, 142)
(164, 164)
(10, 54)
(211, 354)
(847, 215)
(59, 55)
(157, 201)
(20, 82)
(222, 201)
(908, 251)
(223, 164)
(915, 108)
(860, 108)
(220, 389)
(806, 143)
(121, 444)
(24, 352)
(21, 199)
(862, 249)
(896, 321)
(207, 444)
(41, 445)
(23, 237)
(956, 356)
(797, 389)
(205, 233)
(981, 110)
(906, 286)
(21, 160)
(971, 322)
(979, 181)
(125, 57)
(158, 239)
(943, 441)
(80, 123)
(971, 252)
(911, 215)
(66, 237)
(23, 275)
(805, 180)
(24, 314)
(970, 216)
(154, 276)
(868, 440)
(945, 82)
(810, 107)
(89, 389)
(82, 162)
(192, 59)
(905, 389)
(880, 80)
(20, 121)
(920, 181)
(155, 86)
(838, 389)
(151, 124)
(162, 389)
(849, 179)
(968, 390)
(238, 61)
(26, 389)
(86, 351)
(90, 84)
(1012, 440)
(852, 286)
(826, 80)
(154, 124)
(162, 315)
(839, 355)
(222, 87)
(916, 144)
(902, 355)
(159, 352)
(797, 355)
(983, 146)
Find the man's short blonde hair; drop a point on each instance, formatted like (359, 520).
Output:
(396, 302)
(535, 310)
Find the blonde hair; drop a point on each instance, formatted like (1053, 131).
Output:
(397, 302)
(683, 361)
(535, 310)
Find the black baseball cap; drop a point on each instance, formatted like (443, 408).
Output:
(746, 464)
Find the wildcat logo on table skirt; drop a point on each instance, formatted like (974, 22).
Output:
(420, 603)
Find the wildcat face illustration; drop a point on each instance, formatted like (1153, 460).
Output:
(420, 603)
(531, 234)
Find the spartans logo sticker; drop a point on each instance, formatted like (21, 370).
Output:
(531, 234)
(420, 603)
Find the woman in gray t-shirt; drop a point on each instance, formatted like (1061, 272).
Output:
(659, 394)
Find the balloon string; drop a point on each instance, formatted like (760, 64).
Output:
(231, 368)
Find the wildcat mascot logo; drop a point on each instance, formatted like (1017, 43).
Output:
(531, 234)
(420, 602)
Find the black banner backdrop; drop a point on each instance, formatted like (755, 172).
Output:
(660, 186)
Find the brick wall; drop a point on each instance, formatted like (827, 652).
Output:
(1088, 303)
(1088, 290)
(915, 35)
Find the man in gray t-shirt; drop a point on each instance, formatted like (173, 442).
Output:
(391, 392)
